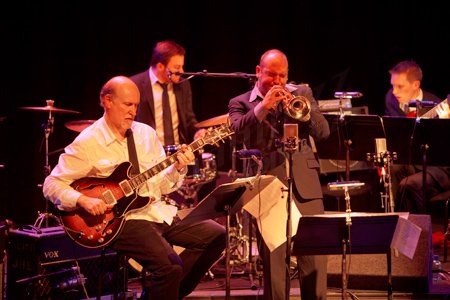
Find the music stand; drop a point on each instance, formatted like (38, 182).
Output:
(226, 199)
(418, 143)
(329, 234)
(358, 133)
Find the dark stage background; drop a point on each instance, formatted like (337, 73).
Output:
(67, 52)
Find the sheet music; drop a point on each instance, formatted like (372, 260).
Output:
(269, 209)
(406, 237)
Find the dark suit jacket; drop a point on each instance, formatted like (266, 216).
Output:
(256, 135)
(183, 94)
(392, 104)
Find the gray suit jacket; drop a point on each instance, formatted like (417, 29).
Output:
(262, 136)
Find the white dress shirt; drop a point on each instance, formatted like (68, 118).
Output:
(157, 100)
(96, 152)
(405, 106)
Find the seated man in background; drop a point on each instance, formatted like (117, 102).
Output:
(406, 77)
(407, 180)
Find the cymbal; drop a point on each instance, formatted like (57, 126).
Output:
(219, 120)
(79, 125)
(51, 108)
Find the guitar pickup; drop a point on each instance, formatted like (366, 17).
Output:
(109, 198)
(126, 188)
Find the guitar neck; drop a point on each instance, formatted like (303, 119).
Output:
(432, 113)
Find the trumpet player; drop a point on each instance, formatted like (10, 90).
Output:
(258, 118)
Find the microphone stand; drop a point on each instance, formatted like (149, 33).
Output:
(289, 146)
(205, 73)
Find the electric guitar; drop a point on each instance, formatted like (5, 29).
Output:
(431, 114)
(121, 191)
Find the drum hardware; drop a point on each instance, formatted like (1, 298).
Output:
(201, 171)
(48, 129)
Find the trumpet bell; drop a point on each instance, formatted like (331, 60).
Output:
(299, 108)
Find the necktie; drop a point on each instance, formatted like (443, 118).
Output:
(167, 117)
(132, 153)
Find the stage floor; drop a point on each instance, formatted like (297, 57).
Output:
(242, 288)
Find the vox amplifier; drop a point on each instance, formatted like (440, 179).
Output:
(41, 264)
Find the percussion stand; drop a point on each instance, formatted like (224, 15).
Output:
(247, 241)
(48, 129)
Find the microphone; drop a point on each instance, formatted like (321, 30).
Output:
(348, 95)
(169, 74)
(380, 151)
(242, 154)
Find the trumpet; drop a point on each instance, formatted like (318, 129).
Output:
(297, 107)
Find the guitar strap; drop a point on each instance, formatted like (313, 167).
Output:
(132, 153)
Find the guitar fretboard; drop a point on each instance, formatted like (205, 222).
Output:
(432, 113)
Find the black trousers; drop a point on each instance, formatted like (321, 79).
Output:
(312, 268)
(173, 276)
(407, 188)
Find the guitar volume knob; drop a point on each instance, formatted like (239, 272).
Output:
(90, 237)
(109, 231)
(101, 240)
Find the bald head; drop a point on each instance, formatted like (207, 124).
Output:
(272, 70)
(273, 56)
(113, 85)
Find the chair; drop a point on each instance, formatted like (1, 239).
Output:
(444, 196)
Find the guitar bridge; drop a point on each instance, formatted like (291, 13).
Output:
(126, 188)
(109, 197)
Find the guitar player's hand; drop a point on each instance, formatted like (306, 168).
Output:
(184, 158)
(93, 206)
(443, 110)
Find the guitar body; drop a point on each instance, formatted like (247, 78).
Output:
(100, 231)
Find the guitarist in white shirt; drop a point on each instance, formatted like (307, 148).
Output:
(148, 232)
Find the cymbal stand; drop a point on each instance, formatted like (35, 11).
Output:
(346, 186)
(48, 129)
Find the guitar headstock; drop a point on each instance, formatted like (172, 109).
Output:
(214, 136)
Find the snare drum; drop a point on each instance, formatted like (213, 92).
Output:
(209, 166)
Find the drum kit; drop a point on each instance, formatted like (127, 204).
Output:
(203, 169)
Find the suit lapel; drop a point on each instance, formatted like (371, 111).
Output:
(148, 96)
